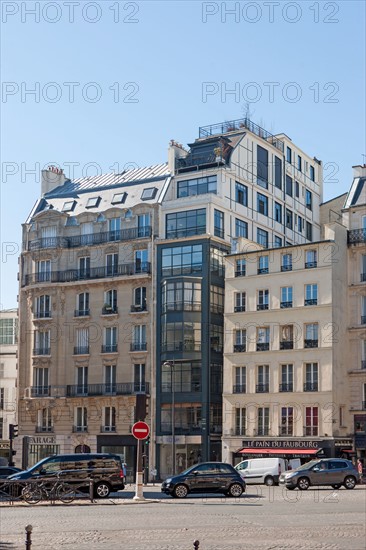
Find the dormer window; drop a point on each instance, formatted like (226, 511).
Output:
(148, 194)
(119, 198)
(93, 202)
(68, 206)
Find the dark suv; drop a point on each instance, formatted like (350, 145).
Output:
(207, 477)
(328, 471)
(104, 469)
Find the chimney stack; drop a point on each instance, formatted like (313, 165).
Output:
(359, 171)
(51, 178)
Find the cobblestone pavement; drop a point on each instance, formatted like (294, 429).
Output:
(266, 518)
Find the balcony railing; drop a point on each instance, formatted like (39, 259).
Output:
(41, 351)
(40, 391)
(311, 386)
(240, 348)
(262, 388)
(109, 310)
(76, 429)
(311, 302)
(288, 344)
(357, 236)
(240, 273)
(310, 343)
(310, 430)
(285, 430)
(44, 429)
(91, 390)
(286, 267)
(109, 348)
(138, 308)
(239, 388)
(309, 265)
(285, 305)
(81, 312)
(289, 387)
(92, 239)
(81, 350)
(261, 307)
(262, 270)
(262, 346)
(138, 346)
(42, 314)
(239, 309)
(107, 429)
(71, 275)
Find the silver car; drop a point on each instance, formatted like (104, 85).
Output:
(328, 471)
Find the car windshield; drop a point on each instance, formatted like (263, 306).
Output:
(38, 465)
(307, 465)
(190, 469)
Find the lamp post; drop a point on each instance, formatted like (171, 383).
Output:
(171, 365)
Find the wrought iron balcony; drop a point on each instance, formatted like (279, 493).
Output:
(285, 430)
(42, 351)
(238, 309)
(92, 390)
(261, 307)
(285, 305)
(286, 267)
(262, 270)
(138, 308)
(310, 430)
(309, 265)
(109, 348)
(311, 302)
(240, 273)
(107, 429)
(75, 241)
(239, 388)
(71, 275)
(289, 387)
(76, 429)
(262, 346)
(42, 314)
(81, 350)
(310, 343)
(109, 310)
(240, 348)
(311, 386)
(81, 312)
(138, 346)
(287, 344)
(40, 391)
(44, 429)
(262, 388)
(357, 236)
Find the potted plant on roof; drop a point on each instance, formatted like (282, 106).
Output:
(218, 154)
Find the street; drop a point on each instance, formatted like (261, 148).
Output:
(266, 518)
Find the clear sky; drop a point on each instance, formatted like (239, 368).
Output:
(114, 81)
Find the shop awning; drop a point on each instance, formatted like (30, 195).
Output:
(267, 451)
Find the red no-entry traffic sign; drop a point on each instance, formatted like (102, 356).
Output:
(140, 430)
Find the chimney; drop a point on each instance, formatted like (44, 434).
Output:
(359, 171)
(176, 150)
(51, 178)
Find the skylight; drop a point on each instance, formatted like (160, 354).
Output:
(148, 194)
(119, 198)
(68, 206)
(93, 202)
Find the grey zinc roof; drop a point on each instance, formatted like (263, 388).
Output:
(357, 193)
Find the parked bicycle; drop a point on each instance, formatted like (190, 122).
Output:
(45, 490)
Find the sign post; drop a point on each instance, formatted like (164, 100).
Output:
(140, 430)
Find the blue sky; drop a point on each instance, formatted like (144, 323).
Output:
(141, 72)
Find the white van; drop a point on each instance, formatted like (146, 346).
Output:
(262, 470)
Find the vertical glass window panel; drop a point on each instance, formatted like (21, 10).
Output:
(219, 224)
(286, 264)
(241, 193)
(297, 189)
(287, 374)
(308, 199)
(289, 155)
(241, 228)
(289, 219)
(240, 421)
(277, 242)
(262, 204)
(197, 186)
(263, 335)
(139, 376)
(311, 331)
(309, 231)
(110, 378)
(262, 237)
(278, 212)
(299, 163)
(111, 264)
(289, 185)
(240, 301)
(286, 295)
(43, 270)
(312, 173)
(114, 229)
(185, 224)
(263, 421)
(311, 292)
(310, 258)
(278, 173)
(262, 166)
(263, 264)
(300, 224)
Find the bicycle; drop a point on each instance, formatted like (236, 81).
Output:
(34, 492)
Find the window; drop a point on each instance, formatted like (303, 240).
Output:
(300, 224)
(2, 429)
(40, 382)
(363, 355)
(278, 173)
(241, 193)
(110, 302)
(8, 331)
(311, 295)
(311, 335)
(287, 378)
(68, 206)
(42, 342)
(289, 219)
(287, 421)
(263, 421)
(240, 301)
(278, 212)
(289, 155)
(139, 338)
(311, 421)
(110, 340)
(262, 379)
(43, 270)
(219, 224)
(240, 339)
(2, 399)
(263, 262)
(277, 242)
(187, 377)
(139, 377)
(263, 338)
(241, 228)
(308, 199)
(119, 198)
(92, 202)
(262, 166)
(312, 173)
(185, 224)
(180, 336)
(262, 204)
(109, 419)
(181, 296)
(310, 259)
(286, 263)
(139, 299)
(263, 300)
(45, 420)
(311, 377)
(240, 268)
(216, 338)
(197, 186)
(82, 304)
(262, 237)
(309, 231)
(363, 310)
(288, 186)
(217, 298)
(2, 370)
(143, 225)
(299, 163)
(110, 378)
(81, 419)
(81, 380)
(297, 189)
(84, 267)
(114, 225)
(240, 420)
(286, 297)
(240, 379)
(363, 267)
(148, 194)
(82, 341)
(111, 264)
(181, 260)
(286, 337)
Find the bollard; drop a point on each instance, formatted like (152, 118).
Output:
(28, 534)
(196, 544)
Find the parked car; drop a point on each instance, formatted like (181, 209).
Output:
(262, 470)
(327, 471)
(104, 469)
(6, 471)
(206, 477)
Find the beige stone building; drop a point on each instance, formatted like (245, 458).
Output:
(8, 377)
(285, 362)
(86, 304)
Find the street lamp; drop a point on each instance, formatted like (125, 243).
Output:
(171, 365)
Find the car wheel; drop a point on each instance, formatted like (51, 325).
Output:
(102, 490)
(303, 483)
(180, 491)
(269, 481)
(337, 486)
(235, 490)
(350, 482)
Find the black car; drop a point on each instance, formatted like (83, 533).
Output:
(206, 477)
(104, 469)
(6, 471)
